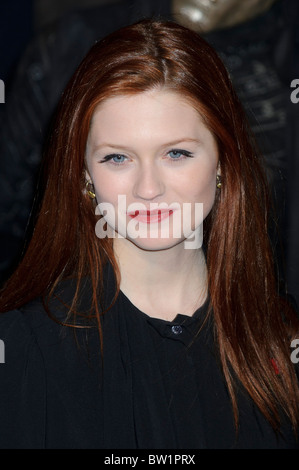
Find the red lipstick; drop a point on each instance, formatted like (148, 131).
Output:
(151, 217)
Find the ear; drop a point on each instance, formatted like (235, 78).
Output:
(88, 185)
(87, 176)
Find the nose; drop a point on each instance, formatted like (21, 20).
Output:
(149, 183)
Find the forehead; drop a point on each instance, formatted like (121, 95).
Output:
(152, 111)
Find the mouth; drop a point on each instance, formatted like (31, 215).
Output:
(150, 217)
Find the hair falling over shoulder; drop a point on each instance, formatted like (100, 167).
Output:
(253, 325)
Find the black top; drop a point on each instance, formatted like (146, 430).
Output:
(159, 385)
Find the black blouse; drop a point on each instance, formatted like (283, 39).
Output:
(158, 384)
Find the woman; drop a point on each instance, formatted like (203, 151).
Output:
(120, 329)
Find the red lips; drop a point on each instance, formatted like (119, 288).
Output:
(151, 216)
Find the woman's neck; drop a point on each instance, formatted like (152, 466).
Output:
(162, 283)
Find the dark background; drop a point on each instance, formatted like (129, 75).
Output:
(20, 20)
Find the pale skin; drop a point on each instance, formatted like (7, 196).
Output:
(159, 151)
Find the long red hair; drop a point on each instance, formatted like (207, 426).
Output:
(253, 325)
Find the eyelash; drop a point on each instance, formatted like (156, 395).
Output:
(184, 153)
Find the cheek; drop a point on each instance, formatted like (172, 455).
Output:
(200, 186)
(106, 187)
(201, 190)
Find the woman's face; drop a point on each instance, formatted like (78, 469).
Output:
(153, 163)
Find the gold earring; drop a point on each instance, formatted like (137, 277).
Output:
(218, 181)
(90, 193)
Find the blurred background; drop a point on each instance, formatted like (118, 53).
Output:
(43, 41)
(20, 20)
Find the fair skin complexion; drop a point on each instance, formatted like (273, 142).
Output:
(153, 147)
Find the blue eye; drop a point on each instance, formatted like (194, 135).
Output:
(177, 154)
(116, 158)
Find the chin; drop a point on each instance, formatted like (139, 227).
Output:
(155, 244)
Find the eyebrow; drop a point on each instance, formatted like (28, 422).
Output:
(168, 144)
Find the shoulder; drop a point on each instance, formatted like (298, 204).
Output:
(19, 333)
(15, 335)
(30, 314)
(56, 306)
(46, 325)
(33, 321)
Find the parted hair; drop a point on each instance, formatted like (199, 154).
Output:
(253, 325)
